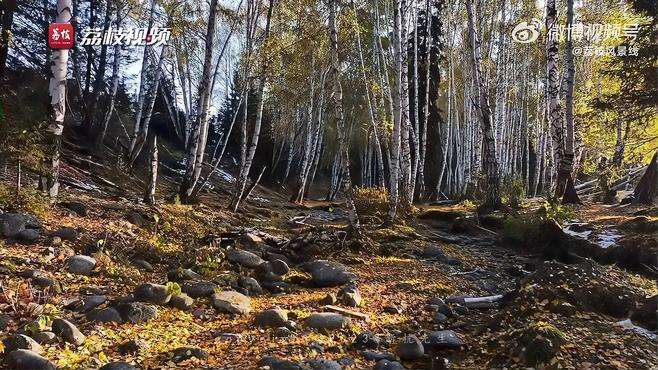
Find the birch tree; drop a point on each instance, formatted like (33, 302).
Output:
(57, 89)
(489, 160)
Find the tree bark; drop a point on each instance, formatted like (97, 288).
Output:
(646, 191)
(489, 160)
(149, 196)
(57, 89)
(7, 20)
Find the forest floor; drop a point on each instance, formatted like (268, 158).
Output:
(550, 315)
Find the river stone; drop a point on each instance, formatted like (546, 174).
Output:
(28, 236)
(350, 296)
(27, 360)
(118, 365)
(143, 265)
(13, 223)
(198, 289)
(78, 208)
(442, 339)
(105, 315)
(182, 275)
(274, 363)
(137, 312)
(377, 356)
(19, 341)
(45, 337)
(279, 267)
(88, 303)
(81, 265)
(66, 233)
(182, 301)
(152, 293)
(185, 353)
(324, 364)
(410, 348)
(67, 331)
(326, 320)
(272, 318)
(250, 284)
(231, 302)
(244, 258)
(329, 273)
(388, 365)
(366, 340)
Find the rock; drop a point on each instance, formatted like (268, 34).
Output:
(270, 256)
(88, 303)
(105, 315)
(282, 332)
(251, 240)
(277, 287)
(393, 309)
(271, 318)
(81, 265)
(66, 233)
(137, 312)
(460, 310)
(645, 313)
(152, 293)
(539, 343)
(78, 208)
(143, 265)
(377, 356)
(185, 353)
(13, 223)
(275, 364)
(136, 219)
(28, 236)
(433, 251)
(67, 331)
(350, 296)
(328, 273)
(443, 339)
(231, 302)
(323, 364)
(5, 319)
(45, 337)
(280, 267)
(440, 318)
(243, 258)
(183, 274)
(182, 301)
(198, 289)
(329, 299)
(366, 340)
(326, 320)
(639, 224)
(118, 365)
(27, 360)
(19, 341)
(131, 347)
(250, 284)
(410, 349)
(388, 365)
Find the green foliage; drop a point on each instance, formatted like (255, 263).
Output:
(554, 210)
(173, 288)
(373, 201)
(522, 229)
(512, 191)
(28, 200)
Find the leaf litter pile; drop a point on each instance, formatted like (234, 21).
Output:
(172, 287)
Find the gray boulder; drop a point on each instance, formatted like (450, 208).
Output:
(81, 265)
(118, 365)
(45, 337)
(328, 273)
(152, 293)
(442, 339)
(28, 236)
(67, 331)
(198, 289)
(324, 364)
(243, 258)
(182, 301)
(19, 341)
(272, 318)
(326, 320)
(411, 348)
(105, 315)
(250, 284)
(388, 365)
(27, 360)
(350, 296)
(137, 312)
(231, 302)
(279, 267)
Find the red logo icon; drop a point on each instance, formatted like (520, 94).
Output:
(61, 36)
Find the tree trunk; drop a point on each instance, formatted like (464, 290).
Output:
(646, 191)
(245, 167)
(489, 160)
(196, 150)
(100, 73)
(6, 20)
(57, 89)
(149, 196)
(337, 96)
(397, 110)
(565, 173)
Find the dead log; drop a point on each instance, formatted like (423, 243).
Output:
(646, 190)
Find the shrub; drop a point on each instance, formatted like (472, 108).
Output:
(373, 201)
(512, 191)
